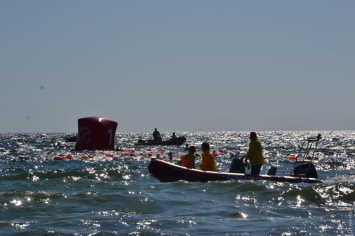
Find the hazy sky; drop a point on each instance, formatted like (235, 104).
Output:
(178, 65)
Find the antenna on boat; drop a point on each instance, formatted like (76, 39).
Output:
(303, 166)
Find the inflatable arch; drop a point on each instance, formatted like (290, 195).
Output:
(96, 133)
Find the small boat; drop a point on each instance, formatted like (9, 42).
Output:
(71, 138)
(303, 170)
(170, 142)
(169, 172)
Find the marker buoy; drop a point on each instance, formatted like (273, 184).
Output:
(69, 156)
(96, 133)
(131, 152)
(222, 150)
(58, 158)
(292, 158)
(109, 154)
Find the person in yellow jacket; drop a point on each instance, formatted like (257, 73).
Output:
(255, 154)
(208, 162)
(189, 159)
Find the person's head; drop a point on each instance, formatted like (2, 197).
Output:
(192, 149)
(155, 129)
(252, 135)
(205, 146)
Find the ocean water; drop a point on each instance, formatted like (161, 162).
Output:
(112, 193)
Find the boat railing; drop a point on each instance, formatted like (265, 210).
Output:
(303, 166)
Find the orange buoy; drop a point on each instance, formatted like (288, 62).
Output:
(292, 158)
(69, 156)
(149, 154)
(58, 158)
(109, 154)
(222, 150)
(161, 150)
(86, 157)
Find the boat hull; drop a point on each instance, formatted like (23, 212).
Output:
(169, 172)
(171, 142)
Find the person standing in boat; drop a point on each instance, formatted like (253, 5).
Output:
(173, 136)
(156, 135)
(208, 162)
(189, 159)
(255, 154)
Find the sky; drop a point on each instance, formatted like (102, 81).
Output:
(177, 65)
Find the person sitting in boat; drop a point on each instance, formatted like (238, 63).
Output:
(156, 135)
(189, 159)
(255, 154)
(208, 162)
(173, 136)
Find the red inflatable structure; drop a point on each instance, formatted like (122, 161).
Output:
(96, 133)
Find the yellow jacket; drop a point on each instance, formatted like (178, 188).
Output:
(255, 153)
(208, 162)
(188, 160)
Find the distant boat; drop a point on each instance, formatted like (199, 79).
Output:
(71, 138)
(170, 142)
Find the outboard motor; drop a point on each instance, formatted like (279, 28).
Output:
(237, 165)
(272, 170)
(307, 169)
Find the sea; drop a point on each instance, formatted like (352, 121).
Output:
(48, 188)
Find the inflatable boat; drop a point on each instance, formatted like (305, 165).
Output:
(303, 171)
(170, 142)
(170, 172)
